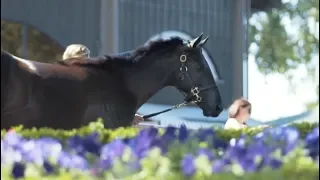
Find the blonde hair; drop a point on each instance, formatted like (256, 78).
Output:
(76, 51)
(237, 105)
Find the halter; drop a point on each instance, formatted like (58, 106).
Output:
(193, 97)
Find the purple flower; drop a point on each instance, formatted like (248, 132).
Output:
(34, 156)
(75, 144)
(248, 164)
(105, 164)
(219, 144)
(206, 152)
(18, 170)
(312, 143)
(79, 162)
(205, 133)
(258, 149)
(219, 165)
(92, 144)
(49, 146)
(159, 142)
(170, 133)
(150, 132)
(144, 141)
(47, 141)
(273, 163)
(237, 148)
(285, 138)
(113, 149)
(126, 140)
(139, 146)
(292, 138)
(67, 160)
(9, 155)
(64, 160)
(187, 165)
(134, 166)
(12, 139)
(48, 167)
(81, 145)
(183, 133)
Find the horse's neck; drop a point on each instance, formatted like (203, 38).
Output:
(108, 96)
(146, 82)
(104, 88)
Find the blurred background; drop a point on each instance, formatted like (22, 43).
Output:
(263, 50)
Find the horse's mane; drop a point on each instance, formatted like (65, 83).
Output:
(126, 58)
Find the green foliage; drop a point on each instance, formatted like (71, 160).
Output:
(40, 47)
(108, 135)
(280, 50)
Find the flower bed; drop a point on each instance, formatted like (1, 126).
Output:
(170, 153)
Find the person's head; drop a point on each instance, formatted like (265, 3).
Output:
(240, 110)
(76, 51)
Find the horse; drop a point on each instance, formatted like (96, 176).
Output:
(62, 95)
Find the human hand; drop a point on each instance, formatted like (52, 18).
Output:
(244, 125)
(137, 118)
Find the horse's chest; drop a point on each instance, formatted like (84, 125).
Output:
(114, 113)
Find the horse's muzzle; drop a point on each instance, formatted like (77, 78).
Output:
(213, 112)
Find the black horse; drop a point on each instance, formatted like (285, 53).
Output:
(72, 93)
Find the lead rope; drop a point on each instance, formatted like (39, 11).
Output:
(177, 106)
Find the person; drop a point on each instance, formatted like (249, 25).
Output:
(239, 113)
(81, 51)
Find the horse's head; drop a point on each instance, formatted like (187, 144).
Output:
(195, 79)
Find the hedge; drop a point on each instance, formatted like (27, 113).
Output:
(93, 152)
(107, 135)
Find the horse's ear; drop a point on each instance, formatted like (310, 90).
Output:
(194, 43)
(203, 41)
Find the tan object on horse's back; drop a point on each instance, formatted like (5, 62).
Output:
(76, 51)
